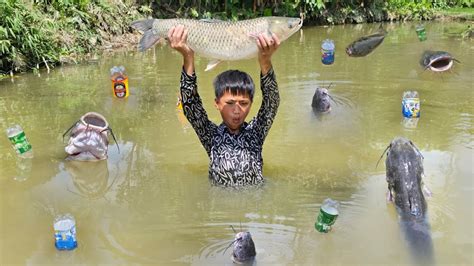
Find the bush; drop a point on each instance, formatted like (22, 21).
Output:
(48, 31)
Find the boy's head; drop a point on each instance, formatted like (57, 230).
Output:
(234, 95)
(234, 81)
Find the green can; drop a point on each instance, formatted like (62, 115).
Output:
(328, 214)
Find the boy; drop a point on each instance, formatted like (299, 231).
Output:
(235, 146)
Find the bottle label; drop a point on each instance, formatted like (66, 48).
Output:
(327, 56)
(66, 239)
(325, 220)
(421, 33)
(411, 107)
(20, 143)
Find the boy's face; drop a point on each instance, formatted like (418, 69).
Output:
(234, 109)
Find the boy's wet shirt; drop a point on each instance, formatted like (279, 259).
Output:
(235, 154)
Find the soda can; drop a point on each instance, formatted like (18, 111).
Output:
(327, 52)
(65, 232)
(410, 104)
(328, 214)
(421, 33)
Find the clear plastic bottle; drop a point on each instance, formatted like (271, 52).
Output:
(20, 143)
(410, 104)
(327, 215)
(65, 232)
(327, 52)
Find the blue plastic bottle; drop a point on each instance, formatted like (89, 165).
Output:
(65, 232)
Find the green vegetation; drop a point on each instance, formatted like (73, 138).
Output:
(457, 13)
(47, 32)
(44, 33)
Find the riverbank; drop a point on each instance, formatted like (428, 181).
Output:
(42, 35)
(453, 14)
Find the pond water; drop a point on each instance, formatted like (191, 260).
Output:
(152, 201)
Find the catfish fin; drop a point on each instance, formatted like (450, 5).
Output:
(212, 64)
(148, 40)
(142, 25)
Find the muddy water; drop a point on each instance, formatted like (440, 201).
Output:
(152, 202)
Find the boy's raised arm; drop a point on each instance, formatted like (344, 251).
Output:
(266, 47)
(270, 94)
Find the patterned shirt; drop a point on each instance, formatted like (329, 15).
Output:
(235, 159)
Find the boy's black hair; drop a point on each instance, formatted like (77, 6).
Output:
(235, 81)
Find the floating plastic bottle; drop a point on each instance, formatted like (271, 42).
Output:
(119, 82)
(327, 52)
(20, 143)
(327, 215)
(410, 104)
(421, 33)
(65, 232)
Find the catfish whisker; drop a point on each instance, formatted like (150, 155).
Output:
(382, 155)
(231, 243)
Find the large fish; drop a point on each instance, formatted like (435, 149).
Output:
(88, 140)
(320, 101)
(437, 61)
(219, 40)
(365, 45)
(244, 248)
(404, 171)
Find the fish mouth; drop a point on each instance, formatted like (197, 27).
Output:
(294, 24)
(349, 51)
(441, 64)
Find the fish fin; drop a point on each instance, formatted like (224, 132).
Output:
(142, 25)
(211, 20)
(148, 40)
(212, 64)
(426, 190)
(454, 59)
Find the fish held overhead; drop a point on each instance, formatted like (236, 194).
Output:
(219, 40)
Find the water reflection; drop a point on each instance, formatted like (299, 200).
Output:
(410, 123)
(273, 242)
(90, 179)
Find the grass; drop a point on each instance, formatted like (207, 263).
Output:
(457, 13)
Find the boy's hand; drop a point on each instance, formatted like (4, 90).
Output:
(266, 47)
(177, 37)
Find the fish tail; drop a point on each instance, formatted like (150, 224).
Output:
(142, 25)
(149, 37)
(148, 40)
